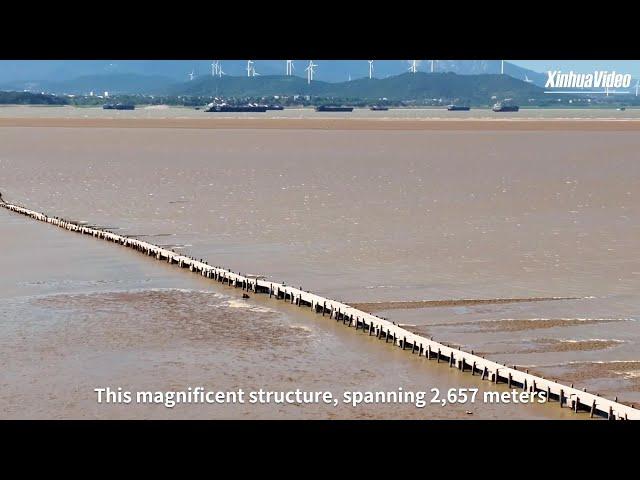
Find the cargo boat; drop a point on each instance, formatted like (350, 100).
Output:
(458, 108)
(501, 107)
(235, 108)
(333, 108)
(379, 108)
(118, 106)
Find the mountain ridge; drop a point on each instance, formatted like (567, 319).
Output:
(40, 73)
(115, 82)
(405, 87)
(420, 87)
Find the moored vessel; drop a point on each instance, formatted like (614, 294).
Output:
(505, 107)
(225, 107)
(333, 108)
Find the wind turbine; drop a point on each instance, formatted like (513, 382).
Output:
(414, 66)
(213, 68)
(191, 75)
(637, 84)
(310, 71)
(250, 69)
(290, 68)
(219, 71)
(433, 66)
(370, 69)
(501, 67)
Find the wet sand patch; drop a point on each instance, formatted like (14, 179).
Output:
(330, 123)
(517, 325)
(614, 369)
(405, 305)
(547, 345)
(584, 372)
(172, 315)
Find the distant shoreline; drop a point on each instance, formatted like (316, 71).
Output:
(442, 108)
(333, 123)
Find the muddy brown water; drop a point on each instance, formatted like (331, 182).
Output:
(358, 216)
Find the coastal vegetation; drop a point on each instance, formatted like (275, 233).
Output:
(28, 98)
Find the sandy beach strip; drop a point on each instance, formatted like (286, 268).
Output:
(519, 325)
(382, 306)
(579, 372)
(479, 124)
(606, 369)
(547, 345)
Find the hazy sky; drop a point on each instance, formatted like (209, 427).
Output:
(582, 66)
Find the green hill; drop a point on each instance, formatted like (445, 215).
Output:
(424, 86)
(406, 87)
(124, 83)
(264, 85)
(118, 84)
(28, 98)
